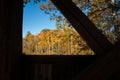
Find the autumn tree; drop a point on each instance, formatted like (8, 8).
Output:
(65, 41)
(29, 43)
(105, 14)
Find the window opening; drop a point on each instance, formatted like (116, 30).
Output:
(105, 14)
(47, 32)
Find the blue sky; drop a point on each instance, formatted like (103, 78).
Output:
(35, 20)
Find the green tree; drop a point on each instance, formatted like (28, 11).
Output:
(45, 30)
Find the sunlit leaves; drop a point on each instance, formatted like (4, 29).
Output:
(104, 14)
(65, 41)
(98, 11)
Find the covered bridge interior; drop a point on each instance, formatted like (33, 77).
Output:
(105, 65)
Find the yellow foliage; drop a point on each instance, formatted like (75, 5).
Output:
(56, 42)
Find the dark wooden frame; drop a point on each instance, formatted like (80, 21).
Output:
(97, 41)
(13, 62)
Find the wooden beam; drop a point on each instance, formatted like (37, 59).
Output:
(63, 67)
(46, 59)
(10, 37)
(84, 26)
(104, 68)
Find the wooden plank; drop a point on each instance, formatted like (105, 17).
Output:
(63, 67)
(46, 59)
(84, 26)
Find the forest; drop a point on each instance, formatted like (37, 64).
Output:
(64, 40)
